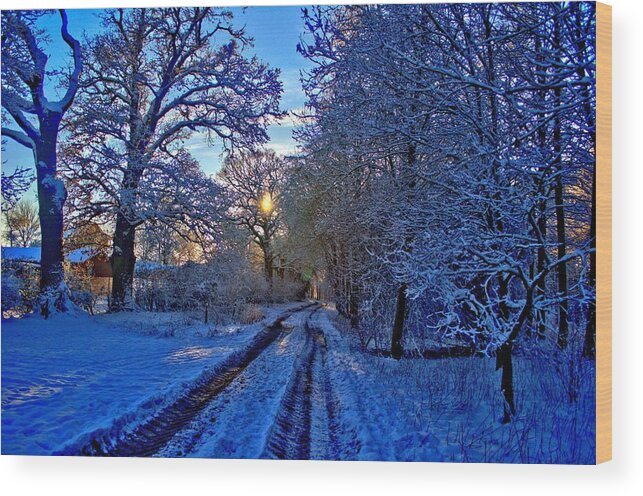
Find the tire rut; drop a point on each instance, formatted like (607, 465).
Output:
(150, 436)
(305, 425)
(327, 442)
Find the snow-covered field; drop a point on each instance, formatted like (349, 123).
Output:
(71, 375)
(308, 393)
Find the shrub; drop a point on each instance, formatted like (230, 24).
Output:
(20, 288)
(79, 280)
(251, 313)
(11, 292)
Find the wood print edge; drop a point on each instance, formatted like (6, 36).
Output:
(604, 233)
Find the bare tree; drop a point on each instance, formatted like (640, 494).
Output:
(254, 182)
(14, 186)
(23, 227)
(156, 76)
(31, 119)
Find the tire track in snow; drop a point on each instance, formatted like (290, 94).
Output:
(235, 423)
(153, 434)
(305, 425)
(325, 428)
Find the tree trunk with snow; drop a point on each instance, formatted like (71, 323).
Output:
(123, 262)
(589, 345)
(397, 334)
(541, 314)
(504, 361)
(397, 349)
(267, 261)
(563, 305)
(559, 195)
(123, 258)
(51, 198)
(24, 56)
(561, 240)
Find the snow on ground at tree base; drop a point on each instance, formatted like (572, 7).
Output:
(71, 375)
(449, 409)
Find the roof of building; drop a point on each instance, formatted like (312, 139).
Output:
(20, 254)
(81, 255)
(32, 254)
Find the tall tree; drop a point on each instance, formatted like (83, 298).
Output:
(155, 77)
(489, 101)
(31, 119)
(14, 186)
(254, 182)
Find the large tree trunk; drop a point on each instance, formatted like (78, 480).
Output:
(541, 263)
(124, 240)
(54, 295)
(589, 345)
(563, 305)
(123, 261)
(267, 261)
(559, 196)
(504, 355)
(267, 267)
(541, 255)
(123, 258)
(397, 334)
(398, 324)
(504, 359)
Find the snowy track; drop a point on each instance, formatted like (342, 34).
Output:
(304, 427)
(150, 436)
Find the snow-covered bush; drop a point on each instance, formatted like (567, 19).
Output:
(570, 369)
(283, 290)
(153, 286)
(218, 290)
(20, 289)
(234, 284)
(11, 288)
(84, 299)
(251, 313)
(79, 282)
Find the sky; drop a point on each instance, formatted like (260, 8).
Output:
(276, 31)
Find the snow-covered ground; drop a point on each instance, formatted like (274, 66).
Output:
(72, 381)
(237, 422)
(449, 409)
(70, 375)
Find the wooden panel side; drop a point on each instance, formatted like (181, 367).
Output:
(604, 233)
